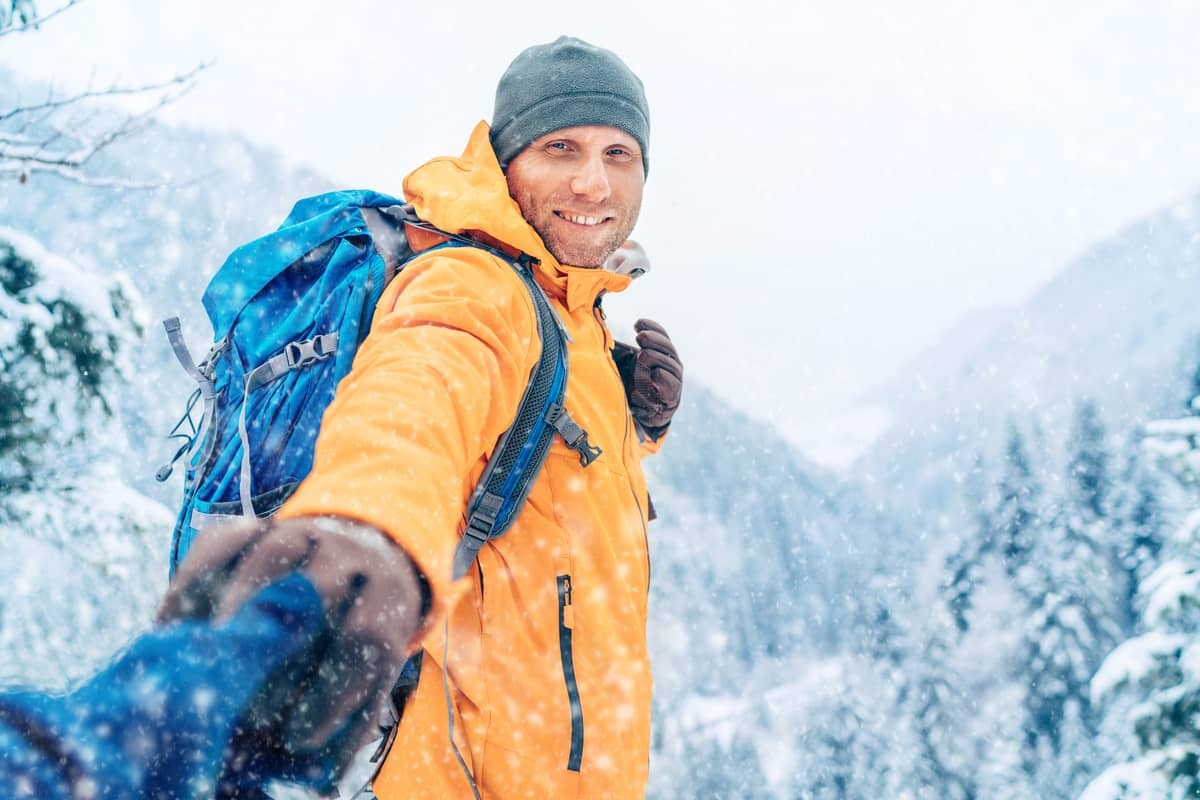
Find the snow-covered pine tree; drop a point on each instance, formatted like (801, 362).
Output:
(935, 703)
(1035, 597)
(1154, 678)
(1072, 584)
(1016, 516)
(61, 339)
(1089, 482)
(881, 637)
(78, 544)
(966, 700)
(1005, 517)
(1138, 523)
(980, 579)
(848, 745)
(963, 568)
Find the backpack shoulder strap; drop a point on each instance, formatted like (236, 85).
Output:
(519, 455)
(386, 227)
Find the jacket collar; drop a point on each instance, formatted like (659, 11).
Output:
(470, 195)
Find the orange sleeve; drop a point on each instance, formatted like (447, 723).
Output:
(434, 385)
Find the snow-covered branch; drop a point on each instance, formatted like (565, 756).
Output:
(19, 16)
(59, 134)
(38, 139)
(53, 104)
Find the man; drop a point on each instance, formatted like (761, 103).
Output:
(534, 677)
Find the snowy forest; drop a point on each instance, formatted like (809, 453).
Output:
(999, 599)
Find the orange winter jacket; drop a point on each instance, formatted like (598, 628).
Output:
(546, 657)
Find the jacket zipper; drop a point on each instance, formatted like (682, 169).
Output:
(575, 758)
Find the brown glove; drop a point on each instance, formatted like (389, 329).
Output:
(322, 707)
(653, 377)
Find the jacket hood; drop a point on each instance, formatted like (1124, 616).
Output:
(469, 194)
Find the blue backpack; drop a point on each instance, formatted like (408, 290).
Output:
(288, 313)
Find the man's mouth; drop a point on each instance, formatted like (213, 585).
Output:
(580, 219)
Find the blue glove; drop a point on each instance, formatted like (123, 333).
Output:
(158, 721)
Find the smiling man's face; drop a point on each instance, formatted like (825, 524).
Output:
(581, 190)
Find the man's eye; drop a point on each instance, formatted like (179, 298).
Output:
(557, 146)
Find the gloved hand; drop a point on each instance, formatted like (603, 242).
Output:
(653, 376)
(312, 715)
(156, 722)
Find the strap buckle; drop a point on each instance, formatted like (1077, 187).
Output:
(576, 437)
(301, 354)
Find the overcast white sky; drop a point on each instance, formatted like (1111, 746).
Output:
(832, 184)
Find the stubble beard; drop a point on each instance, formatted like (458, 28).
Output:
(583, 250)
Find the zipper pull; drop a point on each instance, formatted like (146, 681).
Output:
(566, 613)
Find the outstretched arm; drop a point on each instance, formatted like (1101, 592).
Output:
(434, 386)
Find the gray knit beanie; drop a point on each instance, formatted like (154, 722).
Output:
(565, 83)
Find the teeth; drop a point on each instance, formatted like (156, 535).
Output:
(582, 220)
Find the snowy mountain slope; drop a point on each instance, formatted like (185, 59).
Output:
(938, 364)
(1117, 326)
(768, 536)
(763, 569)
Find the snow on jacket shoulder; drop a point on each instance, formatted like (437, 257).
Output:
(546, 653)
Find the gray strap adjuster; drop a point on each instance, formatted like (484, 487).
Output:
(295, 355)
(480, 523)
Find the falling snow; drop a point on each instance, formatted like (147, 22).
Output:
(998, 598)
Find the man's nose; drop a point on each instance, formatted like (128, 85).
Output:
(591, 180)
